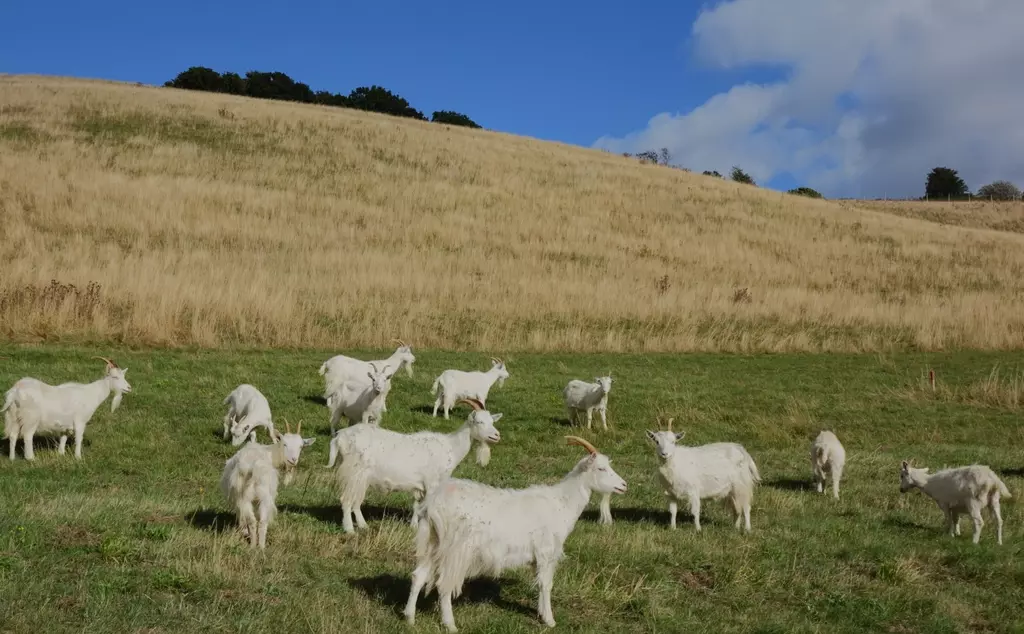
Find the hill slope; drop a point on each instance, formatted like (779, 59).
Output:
(212, 220)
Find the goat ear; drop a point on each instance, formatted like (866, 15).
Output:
(679, 435)
(308, 441)
(905, 466)
(495, 417)
(651, 435)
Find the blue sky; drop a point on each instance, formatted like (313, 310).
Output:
(650, 75)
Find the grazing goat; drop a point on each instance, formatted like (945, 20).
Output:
(457, 385)
(717, 470)
(340, 368)
(962, 490)
(251, 475)
(828, 457)
(390, 461)
(467, 529)
(247, 410)
(359, 401)
(582, 396)
(32, 406)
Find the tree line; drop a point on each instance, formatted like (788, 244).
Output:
(941, 183)
(276, 85)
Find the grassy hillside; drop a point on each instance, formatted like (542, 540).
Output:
(999, 216)
(161, 217)
(136, 536)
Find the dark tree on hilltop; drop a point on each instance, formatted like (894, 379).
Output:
(740, 176)
(453, 118)
(944, 182)
(1000, 190)
(198, 78)
(806, 191)
(712, 173)
(276, 86)
(379, 99)
(280, 86)
(232, 83)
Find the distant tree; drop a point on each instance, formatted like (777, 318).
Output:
(665, 156)
(650, 156)
(944, 182)
(627, 154)
(453, 118)
(806, 191)
(712, 173)
(276, 86)
(379, 99)
(198, 78)
(232, 83)
(740, 176)
(1000, 190)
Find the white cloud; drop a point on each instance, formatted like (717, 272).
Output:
(877, 92)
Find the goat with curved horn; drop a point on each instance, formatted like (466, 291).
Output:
(110, 363)
(472, 402)
(576, 440)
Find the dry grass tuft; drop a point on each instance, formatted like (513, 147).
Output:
(997, 390)
(211, 220)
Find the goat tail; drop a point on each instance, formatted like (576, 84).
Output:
(1003, 491)
(10, 410)
(755, 475)
(334, 451)
(819, 454)
(437, 382)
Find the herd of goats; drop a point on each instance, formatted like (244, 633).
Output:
(466, 528)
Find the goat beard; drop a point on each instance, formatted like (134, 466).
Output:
(289, 474)
(483, 453)
(116, 402)
(408, 369)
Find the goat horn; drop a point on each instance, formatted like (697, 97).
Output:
(298, 428)
(576, 440)
(670, 423)
(472, 402)
(109, 362)
(287, 426)
(401, 343)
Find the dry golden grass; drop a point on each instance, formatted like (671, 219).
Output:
(212, 220)
(981, 214)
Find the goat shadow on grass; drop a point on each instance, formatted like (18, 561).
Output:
(316, 399)
(393, 591)
(632, 514)
(1016, 473)
(211, 520)
(44, 444)
(424, 409)
(905, 524)
(791, 484)
(333, 515)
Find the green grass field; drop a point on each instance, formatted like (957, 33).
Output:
(136, 536)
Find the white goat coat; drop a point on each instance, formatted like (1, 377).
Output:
(964, 490)
(828, 458)
(716, 471)
(251, 409)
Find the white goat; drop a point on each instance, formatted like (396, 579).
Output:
(828, 457)
(582, 396)
(32, 406)
(962, 490)
(722, 470)
(340, 368)
(360, 401)
(457, 385)
(390, 461)
(247, 410)
(251, 475)
(467, 529)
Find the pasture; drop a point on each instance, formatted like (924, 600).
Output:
(136, 538)
(161, 217)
